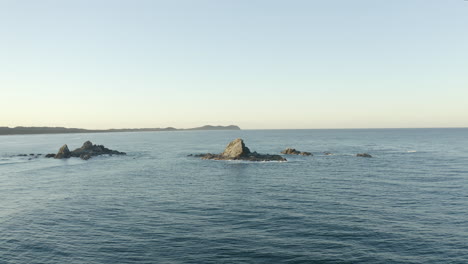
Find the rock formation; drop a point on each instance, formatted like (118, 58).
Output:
(364, 155)
(63, 153)
(236, 150)
(292, 151)
(93, 150)
(86, 151)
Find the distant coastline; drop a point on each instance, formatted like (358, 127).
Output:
(63, 130)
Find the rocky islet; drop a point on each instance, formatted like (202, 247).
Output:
(236, 150)
(85, 152)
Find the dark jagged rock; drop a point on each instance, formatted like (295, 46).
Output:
(86, 151)
(89, 150)
(236, 150)
(63, 153)
(326, 153)
(292, 151)
(364, 155)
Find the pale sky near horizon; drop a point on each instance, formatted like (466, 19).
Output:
(256, 64)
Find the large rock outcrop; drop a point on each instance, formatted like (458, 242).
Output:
(63, 153)
(86, 151)
(292, 151)
(236, 150)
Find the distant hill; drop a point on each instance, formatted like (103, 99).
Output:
(61, 130)
(208, 127)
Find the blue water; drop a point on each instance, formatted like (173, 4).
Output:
(408, 204)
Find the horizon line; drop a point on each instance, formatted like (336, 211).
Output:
(344, 128)
(188, 128)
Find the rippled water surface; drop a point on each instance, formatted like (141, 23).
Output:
(407, 204)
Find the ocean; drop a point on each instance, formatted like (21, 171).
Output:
(407, 204)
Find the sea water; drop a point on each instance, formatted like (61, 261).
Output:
(407, 204)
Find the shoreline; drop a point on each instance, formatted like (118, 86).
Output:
(7, 131)
(86, 131)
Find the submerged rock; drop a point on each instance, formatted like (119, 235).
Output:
(86, 151)
(236, 150)
(292, 151)
(31, 156)
(364, 155)
(85, 156)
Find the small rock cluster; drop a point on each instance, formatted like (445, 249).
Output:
(86, 151)
(292, 151)
(30, 156)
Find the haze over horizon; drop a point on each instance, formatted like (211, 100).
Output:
(255, 64)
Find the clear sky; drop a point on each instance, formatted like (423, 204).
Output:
(256, 64)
